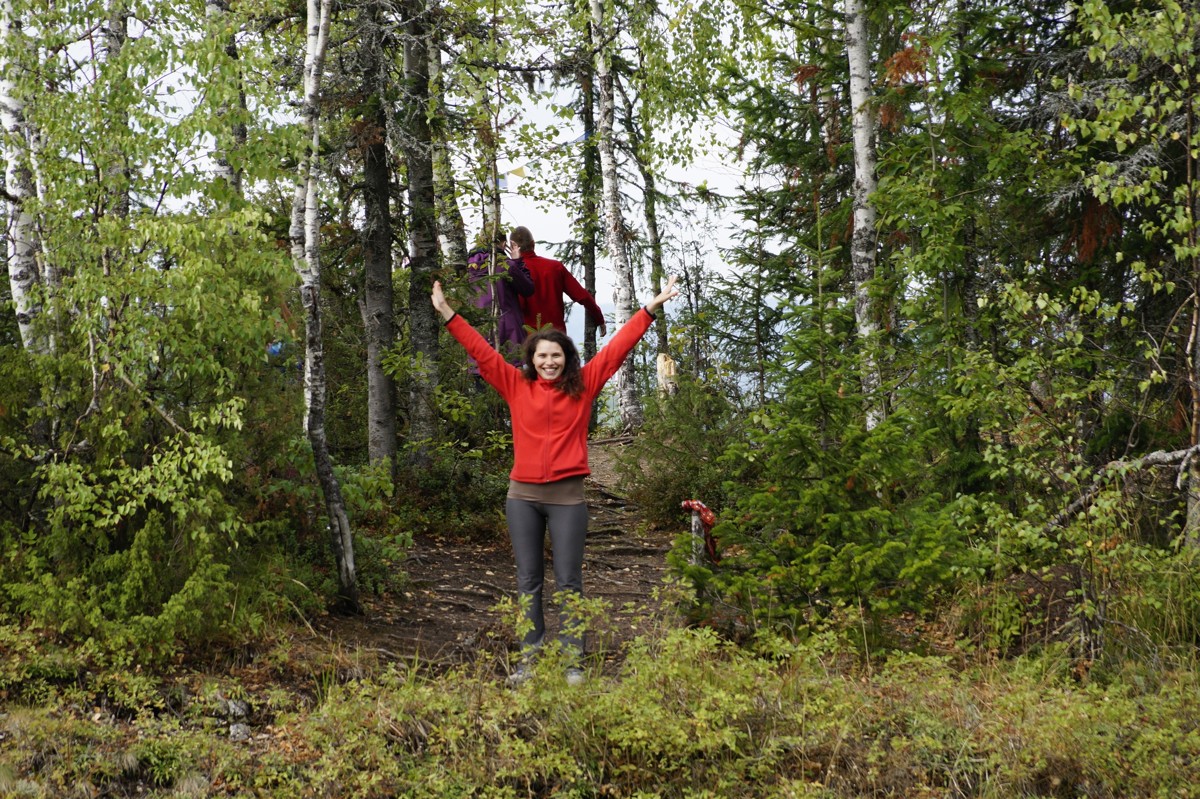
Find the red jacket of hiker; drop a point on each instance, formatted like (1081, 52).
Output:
(549, 427)
(551, 281)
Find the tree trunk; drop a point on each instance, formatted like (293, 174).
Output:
(116, 170)
(589, 222)
(305, 243)
(863, 240)
(217, 11)
(589, 211)
(1191, 529)
(489, 143)
(378, 303)
(1191, 525)
(22, 245)
(423, 243)
(115, 188)
(628, 402)
(452, 231)
(650, 211)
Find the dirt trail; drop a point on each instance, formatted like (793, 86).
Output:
(447, 614)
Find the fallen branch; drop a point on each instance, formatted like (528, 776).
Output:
(629, 549)
(453, 603)
(596, 532)
(617, 498)
(467, 592)
(1179, 458)
(628, 439)
(499, 591)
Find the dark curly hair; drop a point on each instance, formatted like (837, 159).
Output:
(571, 381)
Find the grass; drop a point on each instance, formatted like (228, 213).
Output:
(686, 715)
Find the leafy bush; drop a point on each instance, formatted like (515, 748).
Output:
(132, 556)
(682, 714)
(1101, 580)
(853, 522)
(1151, 612)
(676, 455)
(459, 491)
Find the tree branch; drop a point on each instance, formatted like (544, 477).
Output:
(1179, 458)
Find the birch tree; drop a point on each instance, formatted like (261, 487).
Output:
(639, 148)
(306, 258)
(589, 188)
(218, 14)
(16, 148)
(863, 238)
(624, 294)
(112, 42)
(452, 233)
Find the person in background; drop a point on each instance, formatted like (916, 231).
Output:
(499, 284)
(550, 400)
(551, 281)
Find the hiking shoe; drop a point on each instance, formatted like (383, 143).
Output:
(575, 676)
(519, 677)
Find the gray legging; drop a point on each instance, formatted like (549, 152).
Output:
(527, 522)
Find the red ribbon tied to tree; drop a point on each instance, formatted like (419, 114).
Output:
(708, 519)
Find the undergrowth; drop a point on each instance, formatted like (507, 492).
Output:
(686, 714)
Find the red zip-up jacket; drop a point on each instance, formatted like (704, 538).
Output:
(551, 280)
(549, 427)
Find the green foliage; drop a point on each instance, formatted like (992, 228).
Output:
(459, 487)
(824, 512)
(456, 493)
(1033, 256)
(16, 451)
(1096, 584)
(1151, 609)
(160, 292)
(382, 540)
(853, 523)
(684, 714)
(34, 668)
(676, 454)
(131, 558)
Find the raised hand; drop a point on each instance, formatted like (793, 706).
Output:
(668, 293)
(439, 301)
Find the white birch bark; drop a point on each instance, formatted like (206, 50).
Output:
(452, 231)
(628, 402)
(116, 169)
(216, 11)
(23, 276)
(637, 128)
(305, 244)
(863, 240)
(1191, 527)
(489, 144)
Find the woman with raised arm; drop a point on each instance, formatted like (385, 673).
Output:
(550, 399)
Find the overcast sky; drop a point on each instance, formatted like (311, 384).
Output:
(551, 225)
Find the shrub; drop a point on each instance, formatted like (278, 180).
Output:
(852, 521)
(676, 455)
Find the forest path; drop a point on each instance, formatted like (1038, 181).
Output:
(447, 614)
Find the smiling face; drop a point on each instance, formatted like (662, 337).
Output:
(549, 360)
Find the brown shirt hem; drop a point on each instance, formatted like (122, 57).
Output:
(568, 491)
